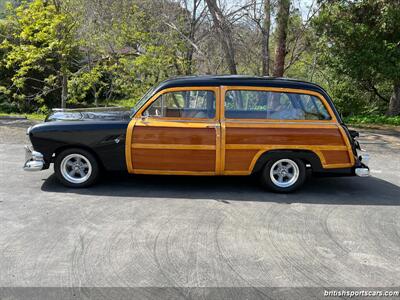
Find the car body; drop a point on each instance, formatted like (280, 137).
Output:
(205, 125)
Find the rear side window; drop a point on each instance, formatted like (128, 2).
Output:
(248, 104)
(183, 104)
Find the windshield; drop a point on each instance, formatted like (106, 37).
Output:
(142, 101)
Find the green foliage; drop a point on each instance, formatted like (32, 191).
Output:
(153, 54)
(373, 119)
(6, 106)
(34, 116)
(360, 40)
(111, 54)
(81, 84)
(363, 38)
(125, 56)
(38, 45)
(130, 52)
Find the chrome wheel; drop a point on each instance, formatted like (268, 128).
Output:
(284, 173)
(76, 168)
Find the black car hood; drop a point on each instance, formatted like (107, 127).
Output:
(90, 114)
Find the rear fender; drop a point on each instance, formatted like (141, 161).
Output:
(307, 156)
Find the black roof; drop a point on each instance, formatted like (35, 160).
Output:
(238, 80)
(243, 80)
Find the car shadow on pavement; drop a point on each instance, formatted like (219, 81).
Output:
(331, 190)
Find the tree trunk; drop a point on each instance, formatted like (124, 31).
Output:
(225, 34)
(190, 50)
(265, 37)
(394, 104)
(281, 29)
(64, 89)
(189, 56)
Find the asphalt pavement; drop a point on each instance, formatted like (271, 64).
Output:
(173, 237)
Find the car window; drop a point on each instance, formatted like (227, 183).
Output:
(183, 104)
(248, 104)
(313, 107)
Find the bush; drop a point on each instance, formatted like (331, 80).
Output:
(7, 107)
(373, 119)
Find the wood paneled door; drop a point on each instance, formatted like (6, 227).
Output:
(255, 120)
(176, 132)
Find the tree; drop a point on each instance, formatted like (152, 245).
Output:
(281, 32)
(38, 49)
(265, 37)
(362, 41)
(192, 16)
(225, 34)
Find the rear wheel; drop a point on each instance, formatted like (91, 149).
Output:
(76, 168)
(283, 174)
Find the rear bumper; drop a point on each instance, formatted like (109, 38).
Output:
(33, 160)
(361, 169)
(362, 172)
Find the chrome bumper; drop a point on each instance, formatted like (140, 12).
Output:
(362, 172)
(363, 158)
(33, 160)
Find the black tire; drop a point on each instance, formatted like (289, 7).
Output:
(87, 158)
(267, 182)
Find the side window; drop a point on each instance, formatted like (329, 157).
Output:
(313, 108)
(183, 104)
(248, 104)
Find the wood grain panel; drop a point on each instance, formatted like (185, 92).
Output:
(170, 135)
(239, 160)
(284, 136)
(336, 157)
(174, 160)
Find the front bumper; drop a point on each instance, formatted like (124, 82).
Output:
(33, 160)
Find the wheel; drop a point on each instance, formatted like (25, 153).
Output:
(283, 174)
(76, 168)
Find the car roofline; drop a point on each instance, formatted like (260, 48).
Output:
(244, 80)
(216, 80)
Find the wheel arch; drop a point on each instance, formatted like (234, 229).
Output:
(307, 156)
(60, 149)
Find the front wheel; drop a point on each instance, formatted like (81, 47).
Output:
(283, 174)
(76, 168)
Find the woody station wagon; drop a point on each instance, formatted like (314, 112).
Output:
(278, 128)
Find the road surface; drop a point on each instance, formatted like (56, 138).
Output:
(190, 236)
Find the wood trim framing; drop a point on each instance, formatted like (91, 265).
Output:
(272, 147)
(214, 89)
(271, 123)
(164, 172)
(173, 146)
(221, 124)
(193, 123)
(128, 145)
(224, 89)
